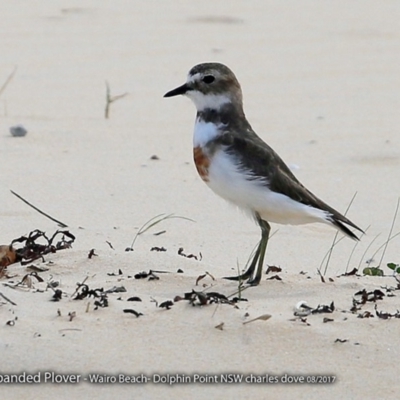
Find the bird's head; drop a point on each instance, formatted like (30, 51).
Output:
(210, 86)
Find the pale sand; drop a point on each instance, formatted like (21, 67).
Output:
(321, 85)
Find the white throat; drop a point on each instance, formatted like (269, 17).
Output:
(204, 132)
(203, 101)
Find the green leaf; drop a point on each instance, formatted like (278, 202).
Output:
(392, 266)
(373, 271)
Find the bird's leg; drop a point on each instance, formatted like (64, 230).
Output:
(265, 230)
(250, 271)
(258, 256)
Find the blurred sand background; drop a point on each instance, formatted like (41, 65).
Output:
(321, 85)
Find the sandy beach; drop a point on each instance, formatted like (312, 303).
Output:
(321, 86)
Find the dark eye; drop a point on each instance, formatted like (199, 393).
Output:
(208, 79)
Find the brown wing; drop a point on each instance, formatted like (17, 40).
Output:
(259, 160)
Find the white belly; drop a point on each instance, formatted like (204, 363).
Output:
(226, 180)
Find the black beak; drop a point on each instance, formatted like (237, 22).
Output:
(179, 90)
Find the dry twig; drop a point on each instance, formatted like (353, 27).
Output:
(39, 211)
(8, 80)
(110, 99)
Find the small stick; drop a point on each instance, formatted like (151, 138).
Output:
(110, 99)
(336, 235)
(264, 317)
(242, 289)
(384, 244)
(109, 243)
(8, 80)
(7, 299)
(39, 211)
(154, 221)
(334, 243)
(365, 252)
(351, 254)
(390, 232)
(329, 252)
(240, 281)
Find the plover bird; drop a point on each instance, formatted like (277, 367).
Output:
(241, 168)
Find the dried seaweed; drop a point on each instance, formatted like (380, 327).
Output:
(142, 275)
(134, 298)
(371, 296)
(274, 277)
(321, 309)
(158, 249)
(131, 311)
(151, 275)
(181, 253)
(166, 304)
(102, 301)
(303, 320)
(302, 309)
(83, 291)
(351, 273)
(204, 298)
(57, 295)
(365, 314)
(116, 289)
(200, 277)
(92, 254)
(362, 297)
(390, 289)
(273, 268)
(114, 274)
(237, 299)
(32, 250)
(386, 315)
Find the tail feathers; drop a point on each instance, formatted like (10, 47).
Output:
(343, 228)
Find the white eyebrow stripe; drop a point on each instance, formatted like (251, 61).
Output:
(193, 78)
